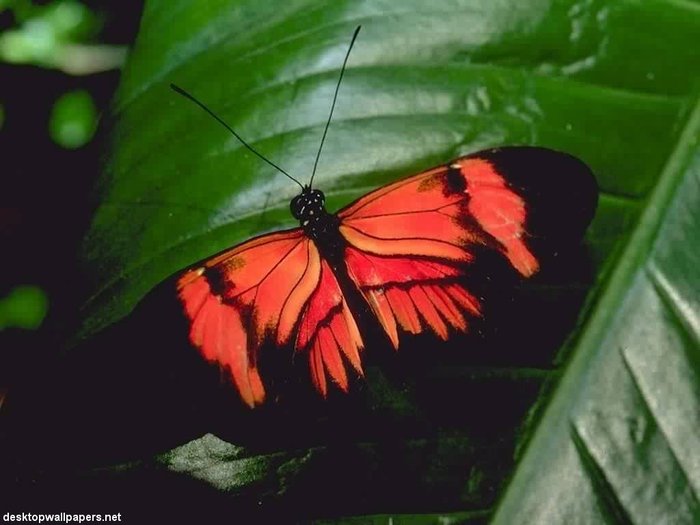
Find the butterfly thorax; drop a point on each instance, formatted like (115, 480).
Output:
(309, 207)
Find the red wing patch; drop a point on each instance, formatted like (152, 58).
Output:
(217, 331)
(413, 294)
(499, 211)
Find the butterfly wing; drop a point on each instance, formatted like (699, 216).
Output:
(272, 289)
(409, 242)
(407, 246)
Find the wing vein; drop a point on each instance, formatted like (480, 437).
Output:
(301, 278)
(396, 213)
(402, 238)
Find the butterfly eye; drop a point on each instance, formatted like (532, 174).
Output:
(318, 197)
(296, 206)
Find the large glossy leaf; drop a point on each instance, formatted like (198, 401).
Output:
(424, 85)
(619, 441)
(611, 82)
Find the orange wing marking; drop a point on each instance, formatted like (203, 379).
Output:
(499, 210)
(329, 332)
(218, 331)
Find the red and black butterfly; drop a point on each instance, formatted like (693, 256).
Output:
(403, 249)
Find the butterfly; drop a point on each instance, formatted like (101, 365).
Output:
(401, 251)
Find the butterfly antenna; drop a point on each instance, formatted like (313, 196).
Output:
(185, 94)
(335, 97)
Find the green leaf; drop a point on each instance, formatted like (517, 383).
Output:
(73, 119)
(619, 442)
(608, 81)
(24, 307)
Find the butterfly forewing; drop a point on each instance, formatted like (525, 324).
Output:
(246, 296)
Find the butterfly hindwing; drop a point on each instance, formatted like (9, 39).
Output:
(412, 293)
(329, 333)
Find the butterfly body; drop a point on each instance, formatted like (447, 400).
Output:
(309, 208)
(400, 254)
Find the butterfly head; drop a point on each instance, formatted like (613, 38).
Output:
(308, 206)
